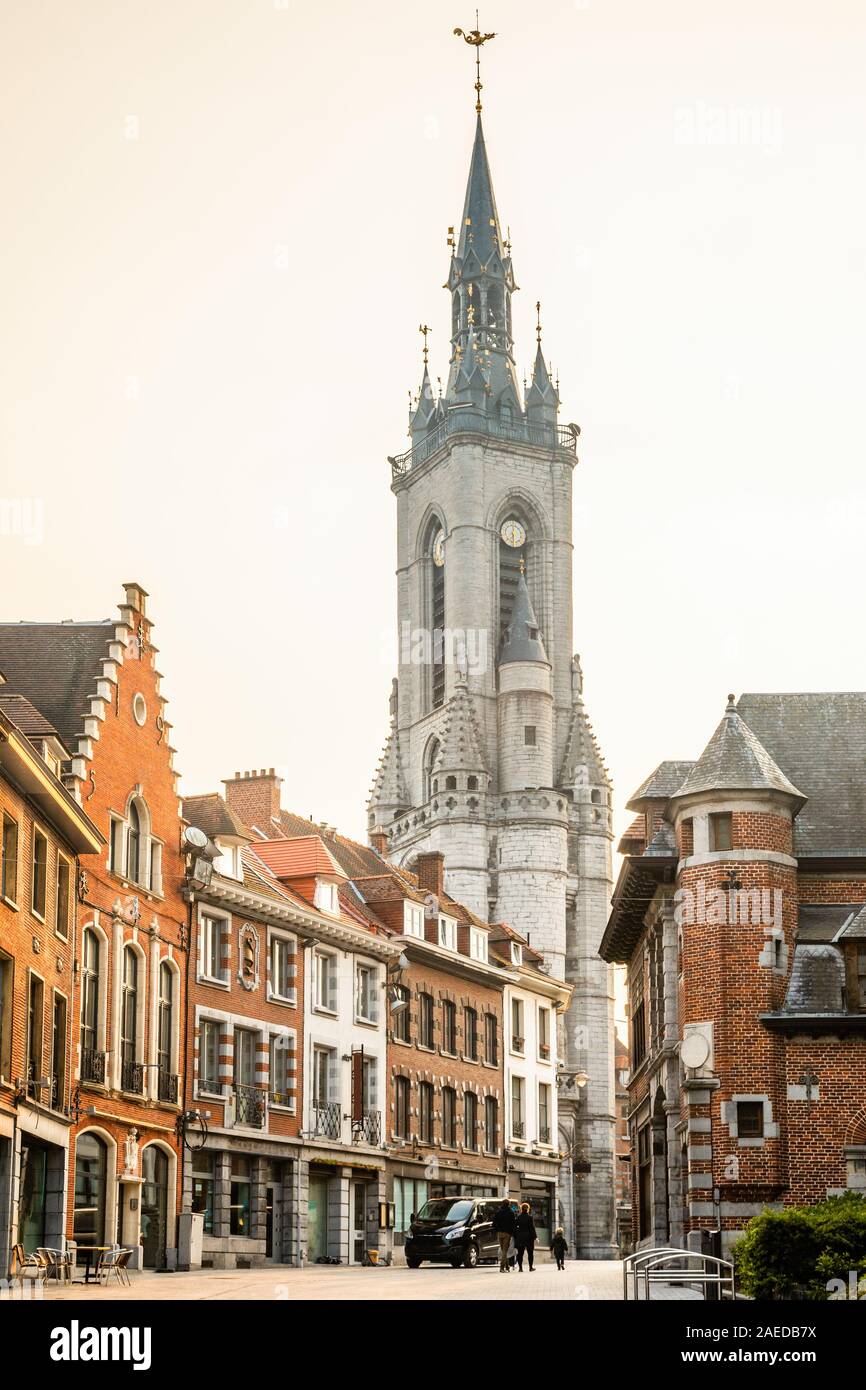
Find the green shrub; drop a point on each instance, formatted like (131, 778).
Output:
(793, 1253)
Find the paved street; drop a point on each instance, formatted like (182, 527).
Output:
(581, 1279)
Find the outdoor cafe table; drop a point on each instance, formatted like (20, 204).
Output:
(88, 1251)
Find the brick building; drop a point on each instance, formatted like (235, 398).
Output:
(98, 685)
(739, 913)
(42, 832)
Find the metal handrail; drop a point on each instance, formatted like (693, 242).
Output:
(649, 1266)
(465, 420)
(629, 1264)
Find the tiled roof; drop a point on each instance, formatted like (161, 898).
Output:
(355, 906)
(353, 858)
(636, 834)
(56, 665)
(820, 742)
(258, 878)
(500, 931)
(26, 717)
(304, 856)
(386, 887)
(211, 814)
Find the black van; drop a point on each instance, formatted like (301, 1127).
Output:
(453, 1230)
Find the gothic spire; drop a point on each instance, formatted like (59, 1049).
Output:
(542, 398)
(523, 635)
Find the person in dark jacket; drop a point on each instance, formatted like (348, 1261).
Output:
(559, 1247)
(503, 1225)
(524, 1236)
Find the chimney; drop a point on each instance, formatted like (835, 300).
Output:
(255, 797)
(379, 842)
(430, 869)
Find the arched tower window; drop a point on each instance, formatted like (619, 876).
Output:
(436, 553)
(513, 548)
(430, 757)
(455, 313)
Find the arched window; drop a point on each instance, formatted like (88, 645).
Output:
(436, 612)
(430, 758)
(88, 1217)
(165, 1026)
(455, 314)
(513, 551)
(133, 844)
(131, 1079)
(89, 997)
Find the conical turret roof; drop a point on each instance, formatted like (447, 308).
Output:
(523, 635)
(735, 760)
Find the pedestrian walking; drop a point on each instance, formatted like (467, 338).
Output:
(525, 1237)
(503, 1225)
(559, 1246)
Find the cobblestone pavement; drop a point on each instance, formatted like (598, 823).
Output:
(581, 1279)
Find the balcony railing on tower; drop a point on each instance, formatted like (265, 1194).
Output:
(466, 420)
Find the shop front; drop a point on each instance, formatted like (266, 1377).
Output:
(536, 1185)
(39, 1156)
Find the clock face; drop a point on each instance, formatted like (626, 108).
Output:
(439, 549)
(513, 533)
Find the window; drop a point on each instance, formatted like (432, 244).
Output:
(470, 1120)
(413, 920)
(245, 1056)
(58, 1052)
(425, 1020)
(491, 1040)
(448, 933)
(861, 976)
(61, 897)
(209, 1055)
(750, 1119)
(165, 1021)
(239, 1206)
(325, 982)
(425, 1112)
(544, 1114)
(544, 1033)
(324, 1075)
(720, 831)
(401, 1107)
(529, 735)
(512, 551)
(431, 757)
(518, 1041)
(478, 944)
(449, 1116)
(449, 1027)
(518, 1107)
(115, 846)
(437, 615)
(491, 1124)
(279, 1086)
(9, 862)
(35, 1004)
(369, 1085)
(88, 1217)
(133, 844)
(400, 1013)
(327, 897)
(516, 953)
(214, 934)
(282, 968)
(203, 1187)
(470, 1034)
(154, 876)
(638, 1018)
(5, 1014)
(40, 872)
(366, 1002)
(129, 1020)
(644, 1164)
(89, 992)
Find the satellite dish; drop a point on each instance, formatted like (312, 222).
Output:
(694, 1050)
(195, 838)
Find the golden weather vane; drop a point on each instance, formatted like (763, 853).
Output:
(424, 330)
(476, 39)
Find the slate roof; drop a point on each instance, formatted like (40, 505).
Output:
(736, 760)
(480, 230)
(56, 665)
(820, 741)
(823, 922)
(211, 814)
(519, 643)
(667, 778)
(856, 928)
(817, 983)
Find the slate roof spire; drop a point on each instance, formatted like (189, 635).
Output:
(523, 635)
(735, 760)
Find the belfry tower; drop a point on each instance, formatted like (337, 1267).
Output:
(490, 757)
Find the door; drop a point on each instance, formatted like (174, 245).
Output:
(358, 1234)
(317, 1223)
(488, 1240)
(154, 1206)
(274, 1222)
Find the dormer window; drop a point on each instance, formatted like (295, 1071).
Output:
(50, 757)
(413, 919)
(516, 953)
(448, 933)
(229, 862)
(327, 897)
(478, 944)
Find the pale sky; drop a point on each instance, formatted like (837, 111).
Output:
(224, 221)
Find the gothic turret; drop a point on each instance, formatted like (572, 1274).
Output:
(542, 398)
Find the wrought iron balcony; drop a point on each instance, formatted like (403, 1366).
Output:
(250, 1106)
(132, 1078)
(93, 1066)
(544, 1134)
(518, 1129)
(327, 1120)
(469, 420)
(368, 1130)
(168, 1086)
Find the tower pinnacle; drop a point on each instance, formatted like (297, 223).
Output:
(476, 39)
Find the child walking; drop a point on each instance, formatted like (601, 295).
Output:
(559, 1247)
